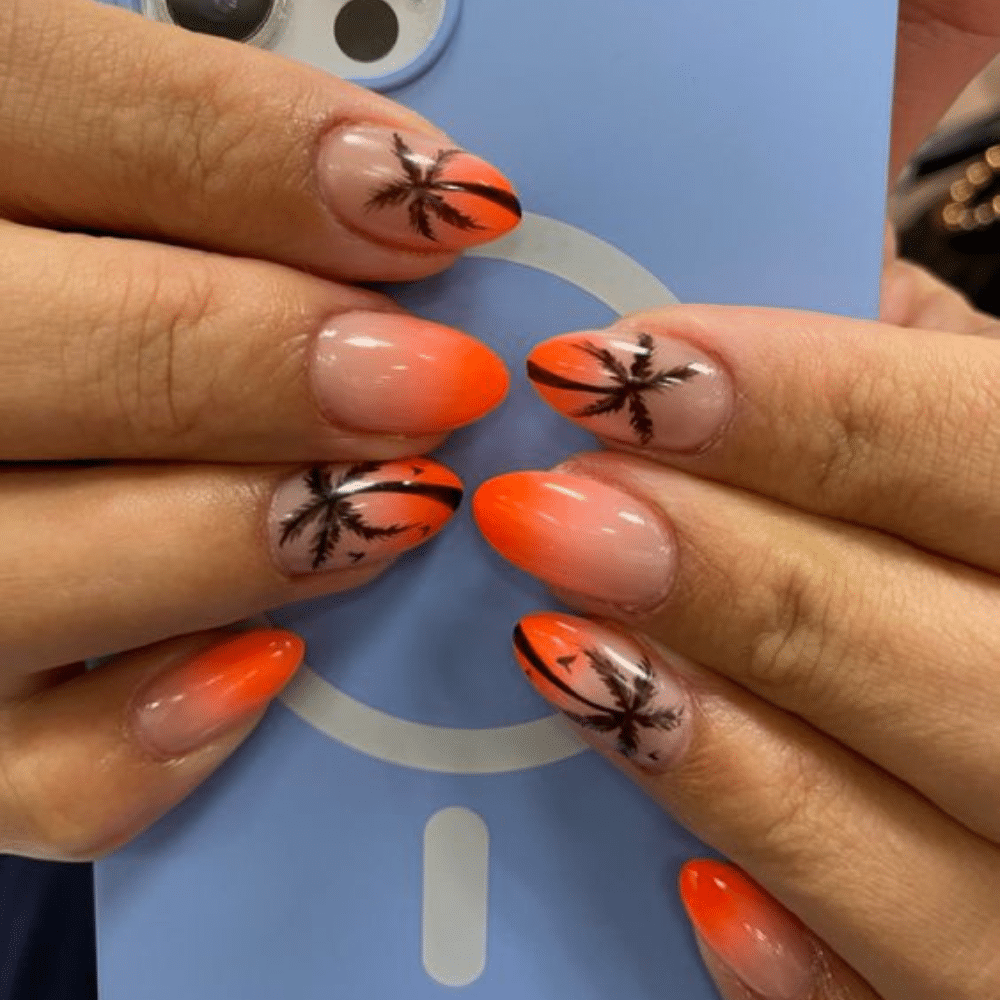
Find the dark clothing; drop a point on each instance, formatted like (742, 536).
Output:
(46, 931)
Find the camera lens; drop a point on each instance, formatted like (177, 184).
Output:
(235, 19)
(366, 30)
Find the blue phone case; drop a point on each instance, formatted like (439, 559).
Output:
(411, 819)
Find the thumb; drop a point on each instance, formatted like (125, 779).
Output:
(90, 763)
(753, 948)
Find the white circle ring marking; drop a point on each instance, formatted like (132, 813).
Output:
(623, 285)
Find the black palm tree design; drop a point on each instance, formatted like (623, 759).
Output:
(423, 187)
(631, 710)
(628, 384)
(332, 511)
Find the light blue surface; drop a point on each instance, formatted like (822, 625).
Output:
(738, 152)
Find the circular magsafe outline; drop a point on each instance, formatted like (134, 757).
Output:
(624, 286)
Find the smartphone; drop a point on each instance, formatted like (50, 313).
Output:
(411, 819)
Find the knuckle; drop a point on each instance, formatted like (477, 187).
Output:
(150, 383)
(794, 644)
(228, 146)
(784, 826)
(857, 425)
(778, 803)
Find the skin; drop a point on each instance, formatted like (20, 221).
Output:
(187, 364)
(844, 741)
(806, 732)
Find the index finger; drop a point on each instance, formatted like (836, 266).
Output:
(116, 123)
(890, 428)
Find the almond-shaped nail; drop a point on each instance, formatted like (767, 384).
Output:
(415, 191)
(624, 697)
(639, 388)
(579, 535)
(391, 373)
(200, 699)
(762, 944)
(336, 516)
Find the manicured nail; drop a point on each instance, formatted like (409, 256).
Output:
(634, 387)
(335, 516)
(395, 374)
(763, 945)
(579, 535)
(189, 706)
(623, 696)
(414, 190)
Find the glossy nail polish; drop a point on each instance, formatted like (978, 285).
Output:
(763, 945)
(415, 191)
(621, 695)
(336, 516)
(194, 703)
(394, 374)
(579, 535)
(638, 388)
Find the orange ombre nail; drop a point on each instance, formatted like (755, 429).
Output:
(192, 704)
(759, 941)
(414, 190)
(390, 373)
(579, 535)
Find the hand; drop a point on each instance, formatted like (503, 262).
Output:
(253, 423)
(791, 560)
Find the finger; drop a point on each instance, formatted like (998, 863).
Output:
(941, 46)
(110, 559)
(89, 764)
(855, 855)
(157, 352)
(889, 650)
(117, 123)
(753, 948)
(913, 297)
(895, 429)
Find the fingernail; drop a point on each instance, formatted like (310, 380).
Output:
(637, 388)
(395, 374)
(763, 945)
(579, 535)
(624, 697)
(335, 516)
(414, 190)
(191, 705)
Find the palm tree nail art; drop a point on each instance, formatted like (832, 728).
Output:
(637, 388)
(425, 185)
(337, 516)
(608, 685)
(411, 188)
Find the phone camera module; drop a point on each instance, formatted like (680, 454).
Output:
(366, 30)
(240, 20)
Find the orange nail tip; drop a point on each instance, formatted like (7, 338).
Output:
(761, 942)
(276, 644)
(500, 505)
